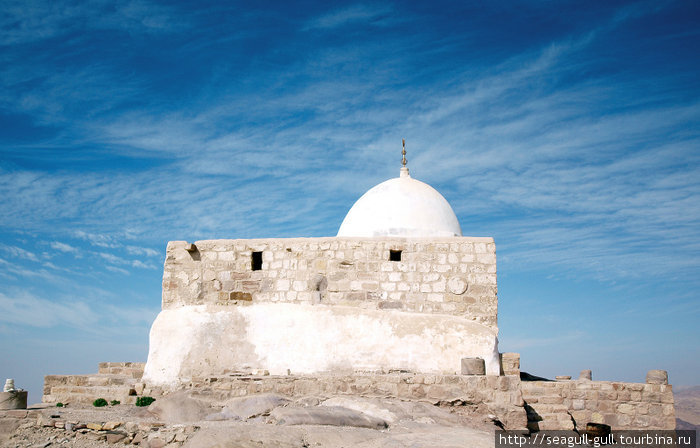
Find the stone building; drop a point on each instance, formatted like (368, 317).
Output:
(398, 289)
(398, 304)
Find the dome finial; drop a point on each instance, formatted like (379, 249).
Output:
(403, 152)
(404, 168)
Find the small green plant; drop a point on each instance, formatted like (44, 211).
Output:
(99, 402)
(59, 405)
(114, 402)
(144, 401)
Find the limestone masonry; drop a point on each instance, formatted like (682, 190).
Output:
(398, 305)
(325, 305)
(453, 276)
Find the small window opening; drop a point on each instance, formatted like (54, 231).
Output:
(256, 261)
(394, 255)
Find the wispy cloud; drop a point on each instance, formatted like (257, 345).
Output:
(112, 268)
(26, 21)
(142, 265)
(99, 240)
(119, 261)
(28, 310)
(113, 258)
(135, 250)
(22, 253)
(360, 13)
(108, 319)
(63, 247)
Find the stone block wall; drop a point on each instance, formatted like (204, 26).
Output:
(132, 369)
(570, 404)
(114, 381)
(455, 276)
(497, 395)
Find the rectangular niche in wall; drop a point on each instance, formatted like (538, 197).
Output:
(256, 261)
(394, 255)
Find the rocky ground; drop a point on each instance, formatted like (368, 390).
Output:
(193, 420)
(187, 419)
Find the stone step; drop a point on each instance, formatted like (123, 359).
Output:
(89, 380)
(88, 394)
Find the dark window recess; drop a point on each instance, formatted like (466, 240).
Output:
(256, 261)
(394, 255)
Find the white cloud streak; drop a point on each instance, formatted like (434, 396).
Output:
(26, 309)
(25, 21)
(63, 247)
(359, 13)
(22, 253)
(135, 250)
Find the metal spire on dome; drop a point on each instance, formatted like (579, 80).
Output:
(404, 168)
(403, 153)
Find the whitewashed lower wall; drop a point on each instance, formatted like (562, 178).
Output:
(195, 341)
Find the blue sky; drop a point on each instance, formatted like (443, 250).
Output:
(568, 131)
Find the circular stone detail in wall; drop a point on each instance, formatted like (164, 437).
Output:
(457, 285)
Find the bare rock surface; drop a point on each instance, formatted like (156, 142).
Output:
(326, 415)
(395, 411)
(180, 407)
(244, 408)
(237, 434)
(180, 420)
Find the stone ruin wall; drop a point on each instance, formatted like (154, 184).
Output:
(539, 405)
(113, 381)
(480, 394)
(568, 404)
(455, 276)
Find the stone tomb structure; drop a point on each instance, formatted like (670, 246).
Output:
(399, 289)
(325, 305)
(389, 307)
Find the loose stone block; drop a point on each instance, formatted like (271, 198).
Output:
(473, 366)
(586, 375)
(13, 400)
(510, 363)
(115, 436)
(657, 377)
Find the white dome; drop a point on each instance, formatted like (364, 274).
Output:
(401, 207)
